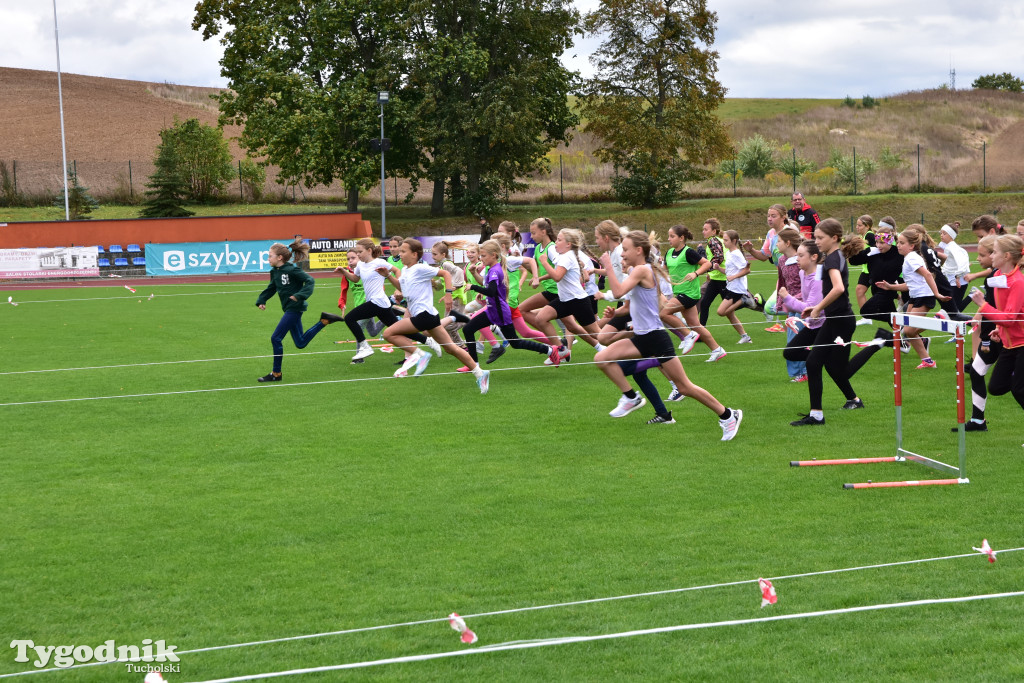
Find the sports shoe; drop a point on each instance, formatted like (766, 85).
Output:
(464, 368)
(877, 341)
(864, 321)
(421, 363)
(686, 345)
(942, 315)
(554, 358)
(496, 353)
(328, 318)
(409, 364)
(905, 346)
(793, 323)
(364, 350)
(853, 404)
(374, 329)
(662, 420)
(927, 345)
(777, 327)
(628, 405)
(676, 395)
(972, 426)
(731, 425)
(434, 346)
(926, 363)
(745, 339)
(716, 355)
(807, 420)
(484, 381)
(269, 378)
(749, 301)
(950, 340)
(799, 378)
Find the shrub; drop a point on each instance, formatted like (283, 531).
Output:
(793, 165)
(253, 177)
(8, 189)
(201, 156)
(653, 182)
(756, 157)
(850, 102)
(80, 203)
(868, 102)
(846, 170)
(1004, 81)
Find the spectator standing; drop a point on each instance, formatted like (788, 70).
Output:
(803, 215)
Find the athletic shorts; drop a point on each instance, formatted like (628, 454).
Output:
(864, 280)
(730, 295)
(549, 296)
(928, 302)
(686, 301)
(655, 344)
(619, 322)
(426, 321)
(516, 313)
(577, 308)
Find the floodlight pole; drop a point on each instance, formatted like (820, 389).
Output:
(60, 98)
(382, 98)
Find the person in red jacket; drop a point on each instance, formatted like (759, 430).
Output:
(803, 215)
(1008, 315)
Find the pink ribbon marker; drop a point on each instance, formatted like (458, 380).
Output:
(154, 677)
(986, 549)
(791, 323)
(129, 289)
(459, 624)
(768, 596)
(387, 348)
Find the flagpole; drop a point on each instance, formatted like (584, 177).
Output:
(60, 97)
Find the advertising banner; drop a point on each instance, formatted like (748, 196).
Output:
(54, 262)
(456, 255)
(208, 258)
(328, 253)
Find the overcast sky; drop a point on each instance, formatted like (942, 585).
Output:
(768, 48)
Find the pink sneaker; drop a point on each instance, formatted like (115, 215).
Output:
(464, 368)
(926, 363)
(799, 378)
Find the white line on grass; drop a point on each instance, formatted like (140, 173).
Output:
(612, 636)
(514, 610)
(127, 296)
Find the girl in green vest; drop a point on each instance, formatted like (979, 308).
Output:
(685, 266)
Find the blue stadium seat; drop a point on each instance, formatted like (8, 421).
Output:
(99, 248)
(133, 248)
(139, 261)
(120, 262)
(103, 263)
(116, 249)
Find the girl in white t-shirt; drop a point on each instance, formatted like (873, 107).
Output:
(919, 284)
(509, 228)
(415, 285)
(572, 302)
(736, 271)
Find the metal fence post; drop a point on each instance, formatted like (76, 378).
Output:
(855, 170)
(561, 179)
(794, 170)
(984, 174)
(15, 176)
(241, 192)
(733, 177)
(131, 187)
(919, 167)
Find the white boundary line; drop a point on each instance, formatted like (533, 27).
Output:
(612, 636)
(514, 610)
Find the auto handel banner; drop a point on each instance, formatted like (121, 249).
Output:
(208, 258)
(52, 262)
(329, 253)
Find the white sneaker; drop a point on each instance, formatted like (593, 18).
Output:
(745, 339)
(421, 363)
(716, 355)
(479, 348)
(408, 365)
(484, 381)
(363, 351)
(686, 345)
(732, 425)
(864, 321)
(628, 405)
(905, 346)
(675, 395)
(434, 346)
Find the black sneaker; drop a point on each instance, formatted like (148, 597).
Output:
(328, 318)
(496, 353)
(807, 420)
(270, 378)
(972, 426)
(662, 420)
(853, 404)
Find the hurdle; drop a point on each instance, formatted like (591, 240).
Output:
(899, 321)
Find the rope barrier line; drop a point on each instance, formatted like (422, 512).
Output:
(532, 608)
(568, 640)
(128, 296)
(346, 350)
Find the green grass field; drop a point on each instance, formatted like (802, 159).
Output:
(151, 489)
(740, 108)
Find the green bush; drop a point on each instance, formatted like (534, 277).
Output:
(80, 203)
(869, 102)
(756, 157)
(850, 102)
(650, 182)
(253, 177)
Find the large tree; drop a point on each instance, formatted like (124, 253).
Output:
(654, 95)
(303, 81)
(494, 93)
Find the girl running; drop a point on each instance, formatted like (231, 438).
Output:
(512, 230)
(919, 283)
(292, 286)
(736, 271)
(650, 340)
(498, 312)
(572, 303)
(984, 348)
(1008, 315)
(830, 350)
(614, 321)
(514, 266)
(956, 264)
(805, 296)
(885, 264)
(714, 251)
(790, 283)
(440, 253)
(770, 251)
(685, 266)
(415, 286)
(352, 295)
(864, 228)
(377, 304)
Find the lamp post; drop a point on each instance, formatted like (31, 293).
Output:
(382, 99)
(60, 98)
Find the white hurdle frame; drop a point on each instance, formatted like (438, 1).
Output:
(899, 321)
